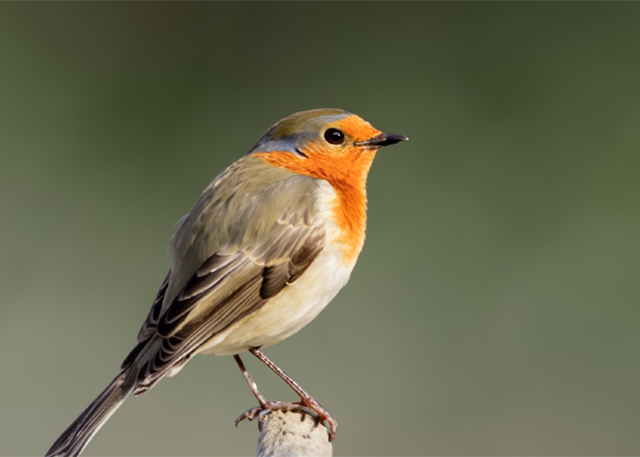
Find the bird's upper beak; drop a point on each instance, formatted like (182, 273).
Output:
(383, 139)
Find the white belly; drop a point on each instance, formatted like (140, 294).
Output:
(289, 311)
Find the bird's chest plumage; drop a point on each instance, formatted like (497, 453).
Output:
(342, 195)
(299, 303)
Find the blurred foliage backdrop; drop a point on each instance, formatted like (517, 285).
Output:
(495, 307)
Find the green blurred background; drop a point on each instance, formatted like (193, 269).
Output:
(495, 308)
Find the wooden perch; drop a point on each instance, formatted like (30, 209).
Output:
(293, 433)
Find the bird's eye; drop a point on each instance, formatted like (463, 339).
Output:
(334, 136)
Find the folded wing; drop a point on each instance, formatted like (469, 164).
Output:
(232, 282)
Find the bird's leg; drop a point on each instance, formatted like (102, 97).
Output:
(306, 400)
(265, 405)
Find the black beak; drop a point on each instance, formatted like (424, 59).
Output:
(384, 139)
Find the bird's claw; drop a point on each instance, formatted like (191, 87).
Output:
(270, 406)
(265, 409)
(323, 415)
(251, 414)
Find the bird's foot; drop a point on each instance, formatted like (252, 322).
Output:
(323, 415)
(264, 409)
(307, 403)
(306, 400)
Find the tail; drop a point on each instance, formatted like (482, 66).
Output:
(77, 436)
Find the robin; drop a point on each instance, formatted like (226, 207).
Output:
(266, 247)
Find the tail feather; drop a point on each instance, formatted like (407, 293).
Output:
(79, 433)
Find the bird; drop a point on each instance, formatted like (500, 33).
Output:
(267, 245)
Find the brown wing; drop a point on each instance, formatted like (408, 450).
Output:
(149, 326)
(225, 289)
(252, 232)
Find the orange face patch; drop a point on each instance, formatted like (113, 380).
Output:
(355, 127)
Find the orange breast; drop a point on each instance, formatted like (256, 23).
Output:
(347, 173)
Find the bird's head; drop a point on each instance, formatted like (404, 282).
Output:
(326, 131)
(329, 144)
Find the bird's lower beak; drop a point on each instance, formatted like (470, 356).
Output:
(383, 139)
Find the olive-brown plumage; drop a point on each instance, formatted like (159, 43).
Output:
(267, 245)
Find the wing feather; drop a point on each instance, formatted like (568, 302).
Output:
(214, 288)
(274, 280)
(219, 276)
(205, 279)
(188, 324)
(176, 350)
(148, 328)
(302, 258)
